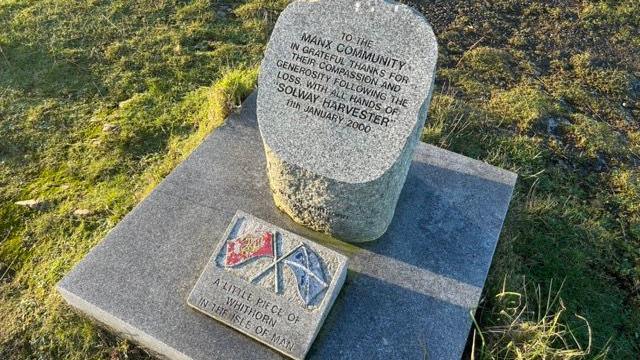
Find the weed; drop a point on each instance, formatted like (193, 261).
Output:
(531, 326)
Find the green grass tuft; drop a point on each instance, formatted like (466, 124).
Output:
(522, 106)
(532, 325)
(482, 69)
(595, 137)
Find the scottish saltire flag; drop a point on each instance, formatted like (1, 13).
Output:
(307, 268)
(248, 246)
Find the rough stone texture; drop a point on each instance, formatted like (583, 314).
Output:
(405, 296)
(249, 297)
(325, 171)
(355, 212)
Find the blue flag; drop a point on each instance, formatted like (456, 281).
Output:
(307, 268)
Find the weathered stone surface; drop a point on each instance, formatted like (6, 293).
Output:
(82, 212)
(34, 204)
(405, 296)
(270, 284)
(344, 90)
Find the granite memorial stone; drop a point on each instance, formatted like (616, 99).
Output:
(270, 284)
(344, 90)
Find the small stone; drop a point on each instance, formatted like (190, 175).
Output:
(33, 204)
(260, 273)
(201, 46)
(82, 212)
(601, 163)
(552, 124)
(563, 164)
(635, 86)
(110, 128)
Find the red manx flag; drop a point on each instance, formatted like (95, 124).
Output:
(248, 246)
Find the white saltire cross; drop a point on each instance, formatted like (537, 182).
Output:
(276, 261)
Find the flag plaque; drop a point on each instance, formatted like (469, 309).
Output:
(270, 284)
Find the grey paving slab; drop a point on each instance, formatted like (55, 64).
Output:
(406, 295)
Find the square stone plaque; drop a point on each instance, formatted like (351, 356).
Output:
(270, 284)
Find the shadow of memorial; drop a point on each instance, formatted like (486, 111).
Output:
(422, 279)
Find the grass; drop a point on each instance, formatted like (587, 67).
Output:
(99, 100)
(531, 325)
(559, 105)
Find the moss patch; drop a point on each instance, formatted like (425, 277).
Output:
(521, 106)
(482, 69)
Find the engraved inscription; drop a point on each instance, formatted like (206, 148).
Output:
(346, 81)
(250, 313)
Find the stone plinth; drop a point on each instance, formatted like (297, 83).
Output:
(405, 296)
